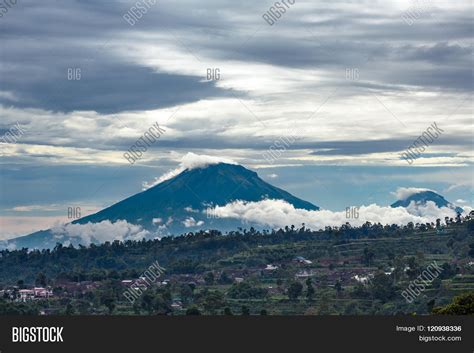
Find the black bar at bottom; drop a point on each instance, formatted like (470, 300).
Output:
(222, 334)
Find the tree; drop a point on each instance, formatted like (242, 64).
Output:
(351, 309)
(470, 225)
(382, 287)
(69, 309)
(359, 291)
(110, 304)
(106, 297)
(245, 310)
(368, 256)
(471, 250)
(294, 290)
(437, 283)
(186, 293)
(430, 305)
(161, 305)
(227, 311)
(324, 305)
(224, 278)
(147, 301)
(213, 301)
(40, 279)
(414, 269)
(399, 271)
(338, 288)
(193, 311)
(209, 278)
(309, 289)
(461, 305)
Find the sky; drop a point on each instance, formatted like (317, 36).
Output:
(345, 86)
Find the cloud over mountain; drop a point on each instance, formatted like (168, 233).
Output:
(278, 213)
(404, 193)
(189, 161)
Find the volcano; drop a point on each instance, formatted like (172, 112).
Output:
(174, 206)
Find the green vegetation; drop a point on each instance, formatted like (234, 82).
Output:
(461, 305)
(291, 271)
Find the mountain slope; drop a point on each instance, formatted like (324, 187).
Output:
(178, 205)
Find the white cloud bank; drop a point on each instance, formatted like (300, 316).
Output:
(189, 161)
(191, 222)
(100, 232)
(279, 213)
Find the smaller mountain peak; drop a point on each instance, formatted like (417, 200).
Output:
(421, 196)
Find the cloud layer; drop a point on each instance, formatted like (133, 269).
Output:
(86, 234)
(278, 213)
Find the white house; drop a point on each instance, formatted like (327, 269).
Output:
(26, 294)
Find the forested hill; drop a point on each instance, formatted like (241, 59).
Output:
(202, 251)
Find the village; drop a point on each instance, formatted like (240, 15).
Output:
(325, 272)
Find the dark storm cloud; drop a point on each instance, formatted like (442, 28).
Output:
(329, 148)
(109, 87)
(378, 146)
(439, 53)
(41, 40)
